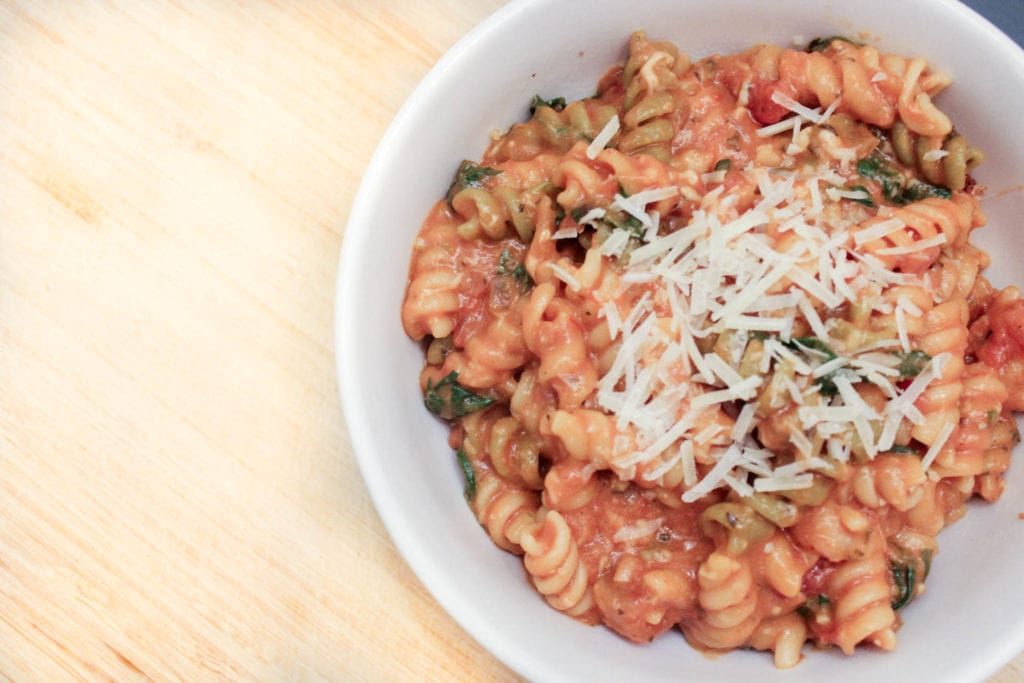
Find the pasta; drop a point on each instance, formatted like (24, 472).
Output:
(715, 347)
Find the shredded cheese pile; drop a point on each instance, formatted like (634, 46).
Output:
(722, 274)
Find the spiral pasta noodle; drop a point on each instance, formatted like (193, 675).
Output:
(728, 600)
(504, 509)
(944, 161)
(716, 348)
(863, 609)
(553, 560)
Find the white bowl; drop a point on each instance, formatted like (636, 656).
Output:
(970, 622)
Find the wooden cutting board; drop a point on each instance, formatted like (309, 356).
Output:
(178, 497)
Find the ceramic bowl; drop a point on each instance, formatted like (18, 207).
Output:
(970, 621)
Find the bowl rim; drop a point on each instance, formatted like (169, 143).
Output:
(401, 533)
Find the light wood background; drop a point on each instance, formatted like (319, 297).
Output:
(178, 497)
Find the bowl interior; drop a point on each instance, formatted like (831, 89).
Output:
(965, 627)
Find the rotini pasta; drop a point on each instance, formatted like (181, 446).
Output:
(715, 345)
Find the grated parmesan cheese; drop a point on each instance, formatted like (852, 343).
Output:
(592, 216)
(767, 485)
(640, 529)
(714, 478)
(936, 448)
(919, 245)
(722, 273)
(784, 100)
(603, 138)
(565, 276)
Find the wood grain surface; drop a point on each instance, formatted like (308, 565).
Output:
(178, 497)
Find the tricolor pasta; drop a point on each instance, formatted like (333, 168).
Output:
(716, 348)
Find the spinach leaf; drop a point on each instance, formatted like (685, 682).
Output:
(813, 343)
(508, 265)
(912, 363)
(558, 103)
(467, 473)
(904, 578)
(814, 605)
(802, 344)
(807, 346)
(918, 190)
(895, 186)
(723, 165)
(559, 215)
(821, 44)
(891, 180)
(470, 175)
(449, 399)
(903, 449)
(629, 223)
(866, 200)
(827, 384)
(926, 560)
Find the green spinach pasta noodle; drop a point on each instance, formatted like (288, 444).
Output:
(715, 346)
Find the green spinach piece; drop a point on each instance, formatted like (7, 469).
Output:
(805, 345)
(827, 384)
(895, 186)
(814, 605)
(866, 200)
(918, 190)
(467, 473)
(904, 578)
(926, 560)
(813, 343)
(912, 363)
(891, 180)
(629, 223)
(469, 175)
(821, 44)
(508, 265)
(559, 215)
(723, 165)
(557, 103)
(449, 399)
